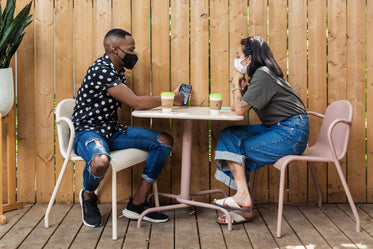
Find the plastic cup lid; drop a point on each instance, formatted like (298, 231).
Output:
(168, 94)
(216, 95)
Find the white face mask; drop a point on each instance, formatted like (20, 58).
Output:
(240, 68)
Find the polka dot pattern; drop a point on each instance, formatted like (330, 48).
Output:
(95, 109)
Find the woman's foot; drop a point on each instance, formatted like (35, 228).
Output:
(243, 200)
(231, 204)
(238, 217)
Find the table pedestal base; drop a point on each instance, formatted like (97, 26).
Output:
(184, 203)
(184, 198)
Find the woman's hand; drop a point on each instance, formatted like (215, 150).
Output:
(237, 75)
(243, 82)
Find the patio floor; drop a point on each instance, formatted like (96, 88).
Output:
(304, 226)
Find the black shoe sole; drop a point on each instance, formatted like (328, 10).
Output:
(135, 216)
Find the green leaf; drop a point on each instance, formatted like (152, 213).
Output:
(12, 30)
(9, 12)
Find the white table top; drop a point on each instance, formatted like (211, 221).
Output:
(186, 112)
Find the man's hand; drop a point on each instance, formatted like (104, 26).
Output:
(179, 97)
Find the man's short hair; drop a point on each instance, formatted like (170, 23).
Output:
(119, 33)
(112, 37)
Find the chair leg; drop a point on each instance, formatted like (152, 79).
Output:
(54, 194)
(319, 202)
(114, 203)
(348, 194)
(155, 193)
(280, 202)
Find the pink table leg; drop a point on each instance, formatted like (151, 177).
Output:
(185, 196)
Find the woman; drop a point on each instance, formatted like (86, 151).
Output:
(284, 129)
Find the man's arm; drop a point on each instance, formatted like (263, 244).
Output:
(126, 96)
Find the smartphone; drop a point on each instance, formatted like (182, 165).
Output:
(186, 90)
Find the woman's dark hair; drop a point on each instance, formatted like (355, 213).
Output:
(261, 55)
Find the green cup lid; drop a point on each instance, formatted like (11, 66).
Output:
(167, 94)
(216, 95)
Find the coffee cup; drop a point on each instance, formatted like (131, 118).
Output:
(216, 101)
(167, 101)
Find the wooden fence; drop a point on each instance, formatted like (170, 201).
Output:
(324, 47)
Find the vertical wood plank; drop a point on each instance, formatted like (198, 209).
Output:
(356, 171)
(219, 53)
(101, 25)
(9, 172)
(179, 73)
(83, 31)
(370, 100)
(10, 169)
(317, 85)
(160, 60)
(337, 85)
(122, 13)
(237, 27)
(25, 112)
(44, 106)
(258, 27)
(199, 79)
(64, 83)
(237, 31)
(141, 72)
(298, 80)
(277, 40)
(258, 18)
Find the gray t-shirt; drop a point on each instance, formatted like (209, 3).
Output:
(272, 97)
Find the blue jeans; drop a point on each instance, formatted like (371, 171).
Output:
(255, 146)
(87, 144)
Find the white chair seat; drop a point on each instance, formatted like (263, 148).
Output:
(122, 159)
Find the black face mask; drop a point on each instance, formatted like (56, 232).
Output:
(129, 60)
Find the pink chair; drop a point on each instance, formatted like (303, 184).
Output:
(331, 146)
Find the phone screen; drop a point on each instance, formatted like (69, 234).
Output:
(186, 90)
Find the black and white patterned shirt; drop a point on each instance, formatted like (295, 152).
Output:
(95, 109)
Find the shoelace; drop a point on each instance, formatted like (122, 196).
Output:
(90, 207)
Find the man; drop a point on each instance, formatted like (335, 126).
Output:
(98, 131)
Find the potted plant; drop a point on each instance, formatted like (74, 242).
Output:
(11, 34)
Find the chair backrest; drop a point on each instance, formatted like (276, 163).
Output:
(65, 111)
(341, 109)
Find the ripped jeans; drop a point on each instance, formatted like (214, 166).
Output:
(87, 144)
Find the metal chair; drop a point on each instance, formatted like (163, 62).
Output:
(120, 159)
(331, 146)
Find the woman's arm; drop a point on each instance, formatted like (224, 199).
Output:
(238, 105)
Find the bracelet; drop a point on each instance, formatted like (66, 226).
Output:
(236, 88)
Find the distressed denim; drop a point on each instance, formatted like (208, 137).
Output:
(87, 144)
(255, 146)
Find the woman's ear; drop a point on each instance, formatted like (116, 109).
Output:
(248, 59)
